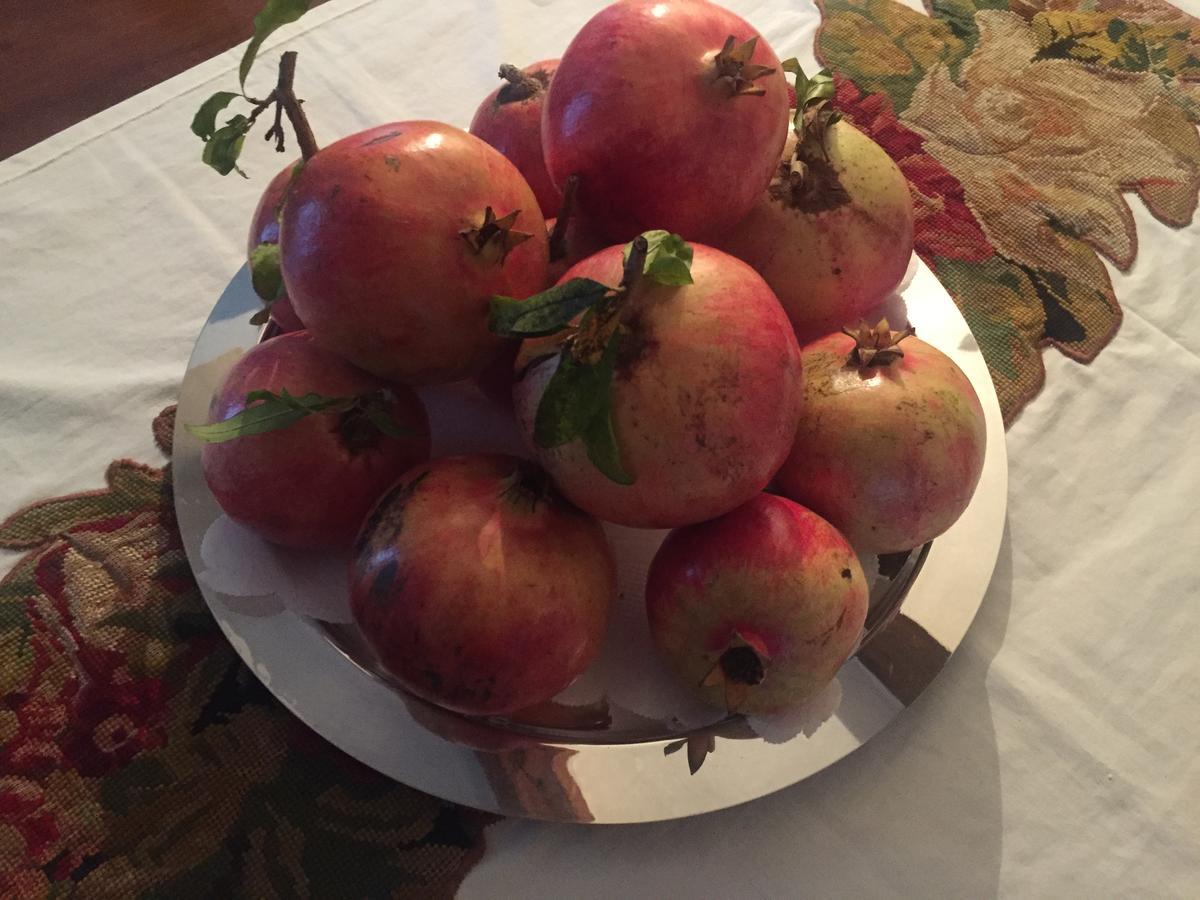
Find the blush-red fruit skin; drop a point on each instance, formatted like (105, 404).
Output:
(889, 454)
(264, 229)
(705, 396)
(301, 486)
(770, 573)
(515, 129)
(375, 261)
(480, 591)
(637, 112)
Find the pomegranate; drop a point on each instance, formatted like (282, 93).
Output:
(703, 397)
(264, 229)
(510, 119)
(672, 112)
(480, 589)
(757, 610)
(394, 239)
(891, 441)
(833, 233)
(312, 483)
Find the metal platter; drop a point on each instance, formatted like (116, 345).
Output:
(603, 769)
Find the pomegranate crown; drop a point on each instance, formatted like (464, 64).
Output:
(878, 345)
(735, 70)
(520, 85)
(591, 317)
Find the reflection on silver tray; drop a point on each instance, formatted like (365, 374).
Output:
(575, 763)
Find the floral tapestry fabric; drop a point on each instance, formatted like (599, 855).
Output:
(1019, 126)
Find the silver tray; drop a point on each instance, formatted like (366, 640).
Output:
(586, 766)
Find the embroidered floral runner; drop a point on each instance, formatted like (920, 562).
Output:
(138, 757)
(1018, 125)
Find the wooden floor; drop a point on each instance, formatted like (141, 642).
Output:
(63, 60)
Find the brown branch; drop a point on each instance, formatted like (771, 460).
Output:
(558, 236)
(286, 97)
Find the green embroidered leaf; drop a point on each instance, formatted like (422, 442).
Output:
(546, 313)
(577, 404)
(221, 151)
(265, 273)
(271, 412)
(274, 15)
(205, 121)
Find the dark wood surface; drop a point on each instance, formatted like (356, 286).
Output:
(64, 60)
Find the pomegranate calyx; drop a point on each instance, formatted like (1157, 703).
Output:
(598, 325)
(740, 667)
(494, 238)
(527, 486)
(735, 69)
(808, 180)
(878, 345)
(520, 85)
(367, 418)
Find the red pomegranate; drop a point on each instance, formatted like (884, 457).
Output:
(480, 589)
(705, 395)
(672, 112)
(264, 229)
(891, 441)
(510, 119)
(756, 610)
(393, 241)
(312, 483)
(833, 233)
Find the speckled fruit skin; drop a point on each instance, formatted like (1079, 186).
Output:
(515, 129)
(772, 572)
(301, 486)
(636, 110)
(831, 266)
(374, 261)
(264, 229)
(705, 396)
(476, 595)
(889, 454)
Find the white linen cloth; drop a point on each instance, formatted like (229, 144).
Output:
(1059, 752)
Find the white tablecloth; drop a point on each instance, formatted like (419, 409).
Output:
(1059, 752)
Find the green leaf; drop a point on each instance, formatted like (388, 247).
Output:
(272, 412)
(265, 273)
(383, 421)
(377, 407)
(274, 15)
(221, 151)
(817, 89)
(577, 403)
(546, 313)
(205, 121)
(668, 258)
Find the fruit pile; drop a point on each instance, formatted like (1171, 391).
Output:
(648, 251)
